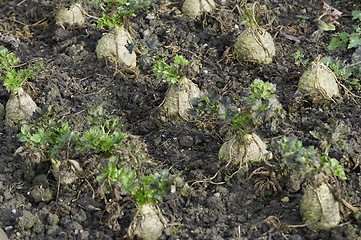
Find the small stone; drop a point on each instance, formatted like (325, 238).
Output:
(186, 141)
(84, 235)
(74, 226)
(40, 194)
(7, 196)
(53, 219)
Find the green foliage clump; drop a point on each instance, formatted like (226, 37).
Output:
(209, 105)
(299, 58)
(102, 136)
(147, 49)
(294, 154)
(116, 12)
(146, 189)
(345, 39)
(12, 79)
(349, 74)
(7, 60)
(262, 106)
(54, 137)
(172, 72)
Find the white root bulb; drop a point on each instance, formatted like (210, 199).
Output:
(255, 46)
(70, 16)
(239, 150)
(19, 108)
(319, 208)
(194, 8)
(319, 82)
(112, 47)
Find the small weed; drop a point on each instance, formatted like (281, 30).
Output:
(12, 79)
(344, 39)
(300, 58)
(116, 12)
(172, 72)
(302, 18)
(262, 106)
(294, 154)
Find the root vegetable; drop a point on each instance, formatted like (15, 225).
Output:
(238, 150)
(112, 47)
(177, 100)
(19, 108)
(319, 82)
(70, 16)
(255, 45)
(194, 8)
(319, 209)
(147, 223)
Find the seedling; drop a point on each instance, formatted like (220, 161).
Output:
(344, 39)
(8, 60)
(147, 49)
(124, 175)
(117, 12)
(60, 143)
(262, 105)
(173, 72)
(300, 58)
(302, 18)
(54, 137)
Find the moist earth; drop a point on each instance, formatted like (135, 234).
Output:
(72, 79)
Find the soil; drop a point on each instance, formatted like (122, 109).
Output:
(71, 79)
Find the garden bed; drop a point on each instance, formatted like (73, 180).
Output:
(71, 79)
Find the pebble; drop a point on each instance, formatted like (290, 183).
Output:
(186, 141)
(84, 235)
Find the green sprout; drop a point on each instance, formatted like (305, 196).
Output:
(8, 60)
(116, 12)
(302, 18)
(12, 79)
(54, 137)
(262, 106)
(294, 154)
(299, 58)
(345, 39)
(173, 72)
(146, 189)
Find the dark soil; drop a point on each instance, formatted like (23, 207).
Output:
(72, 79)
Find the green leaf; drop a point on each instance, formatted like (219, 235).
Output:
(336, 42)
(356, 14)
(327, 26)
(355, 41)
